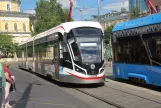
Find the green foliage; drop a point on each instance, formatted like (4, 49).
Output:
(49, 14)
(135, 13)
(108, 34)
(6, 45)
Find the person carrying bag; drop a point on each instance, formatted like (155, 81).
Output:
(9, 82)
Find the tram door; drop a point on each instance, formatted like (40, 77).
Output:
(56, 61)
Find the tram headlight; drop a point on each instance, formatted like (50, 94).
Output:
(79, 70)
(102, 70)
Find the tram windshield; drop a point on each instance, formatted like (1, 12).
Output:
(87, 44)
(90, 52)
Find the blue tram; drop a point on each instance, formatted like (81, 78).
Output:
(137, 50)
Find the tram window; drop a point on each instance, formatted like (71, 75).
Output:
(49, 50)
(70, 35)
(66, 61)
(155, 48)
(44, 50)
(30, 51)
(87, 31)
(158, 48)
(19, 53)
(75, 51)
(60, 37)
(131, 51)
(36, 50)
(40, 51)
(122, 52)
(66, 55)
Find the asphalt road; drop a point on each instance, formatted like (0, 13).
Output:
(34, 92)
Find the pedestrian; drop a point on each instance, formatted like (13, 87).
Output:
(109, 55)
(9, 82)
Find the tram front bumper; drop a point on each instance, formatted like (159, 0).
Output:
(80, 80)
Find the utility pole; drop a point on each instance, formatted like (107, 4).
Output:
(98, 10)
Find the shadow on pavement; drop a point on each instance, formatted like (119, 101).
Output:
(22, 102)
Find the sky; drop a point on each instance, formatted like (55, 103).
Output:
(82, 9)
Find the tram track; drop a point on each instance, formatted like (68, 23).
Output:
(101, 99)
(114, 102)
(143, 98)
(133, 94)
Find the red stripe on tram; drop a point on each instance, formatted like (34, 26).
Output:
(92, 78)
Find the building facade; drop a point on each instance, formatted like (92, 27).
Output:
(141, 4)
(10, 5)
(13, 22)
(113, 17)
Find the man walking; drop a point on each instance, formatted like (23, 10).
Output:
(2, 82)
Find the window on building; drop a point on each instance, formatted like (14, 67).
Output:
(6, 26)
(8, 7)
(15, 26)
(24, 27)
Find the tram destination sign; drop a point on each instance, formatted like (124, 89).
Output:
(137, 31)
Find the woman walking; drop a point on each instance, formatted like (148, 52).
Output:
(9, 81)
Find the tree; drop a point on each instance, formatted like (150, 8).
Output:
(135, 13)
(49, 14)
(108, 34)
(6, 45)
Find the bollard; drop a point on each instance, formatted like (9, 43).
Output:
(1, 91)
